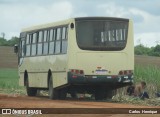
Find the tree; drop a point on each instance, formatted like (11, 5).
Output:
(3, 42)
(141, 50)
(155, 51)
(157, 48)
(11, 42)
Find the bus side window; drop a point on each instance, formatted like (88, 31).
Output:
(51, 41)
(34, 44)
(28, 45)
(21, 50)
(45, 42)
(64, 39)
(39, 48)
(58, 41)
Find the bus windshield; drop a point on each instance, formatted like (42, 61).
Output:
(101, 35)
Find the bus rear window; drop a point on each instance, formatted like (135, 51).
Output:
(101, 35)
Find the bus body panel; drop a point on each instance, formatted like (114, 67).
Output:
(113, 61)
(90, 62)
(37, 79)
(38, 67)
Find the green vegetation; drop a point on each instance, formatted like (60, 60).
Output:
(150, 75)
(9, 81)
(121, 98)
(11, 42)
(142, 50)
(9, 78)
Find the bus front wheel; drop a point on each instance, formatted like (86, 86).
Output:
(30, 91)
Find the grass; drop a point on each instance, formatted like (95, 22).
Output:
(9, 78)
(9, 81)
(149, 74)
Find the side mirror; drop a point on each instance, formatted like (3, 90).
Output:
(16, 48)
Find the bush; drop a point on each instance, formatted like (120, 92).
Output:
(142, 50)
(11, 42)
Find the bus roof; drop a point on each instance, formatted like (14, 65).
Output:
(47, 25)
(101, 18)
(64, 22)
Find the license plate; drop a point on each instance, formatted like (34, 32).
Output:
(101, 71)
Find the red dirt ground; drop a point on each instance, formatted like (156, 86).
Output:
(14, 101)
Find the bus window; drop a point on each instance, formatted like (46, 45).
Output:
(64, 33)
(58, 41)
(112, 35)
(45, 36)
(64, 40)
(39, 48)
(58, 33)
(51, 43)
(28, 39)
(102, 35)
(45, 48)
(58, 45)
(28, 46)
(124, 34)
(28, 50)
(51, 35)
(51, 47)
(40, 37)
(45, 42)
(34, 41)
(22, 53)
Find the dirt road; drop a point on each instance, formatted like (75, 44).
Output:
(14, 101)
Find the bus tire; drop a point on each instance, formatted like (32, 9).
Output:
(52, 91)
(111, 93)
(62, 93)
(74, 95)
(100, 94)
(30, 91)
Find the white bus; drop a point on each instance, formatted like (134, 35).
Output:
(94, 55)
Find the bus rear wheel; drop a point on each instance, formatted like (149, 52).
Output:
(30, 91)
(74, 95)
(111, 93)
(62, 93)
(100, 94)
(52, 92)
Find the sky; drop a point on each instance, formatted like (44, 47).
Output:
(18, 14)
